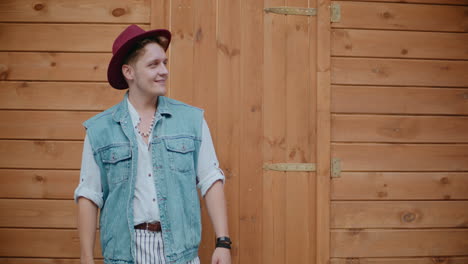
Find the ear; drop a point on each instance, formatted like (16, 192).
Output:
(128, 72)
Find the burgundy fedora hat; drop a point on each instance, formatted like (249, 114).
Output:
(122, 46)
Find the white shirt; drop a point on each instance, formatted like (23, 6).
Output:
(145, 204)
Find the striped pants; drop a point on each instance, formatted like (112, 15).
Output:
(150, 248)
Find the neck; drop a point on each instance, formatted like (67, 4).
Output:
(142, 102)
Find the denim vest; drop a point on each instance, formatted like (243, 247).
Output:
(175, 145)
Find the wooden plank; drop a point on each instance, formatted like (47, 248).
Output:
(43, 124)
(401, 243)
(160, 14)
(399, 100)
(40, 154)
(58, 95)
(401, 157)
(251, 127)
(82, 11)
(407, 129)
(300, 135)
(323, 102)
(38, 213)
(405, 44)
(44, 261)
(38, 184)
(442, 2)
(228, 118)
(416, 260)
(17, 242)
(205, 87)
(399, 72)
(274, 130)
(73, 37)
(181, 60)
(398, 16)
(51, 66)
(399, 214)
(400, 186)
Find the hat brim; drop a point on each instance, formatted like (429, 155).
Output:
(114, 71)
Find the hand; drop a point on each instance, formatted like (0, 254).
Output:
(221, 256)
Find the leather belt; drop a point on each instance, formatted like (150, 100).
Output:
(155, 227)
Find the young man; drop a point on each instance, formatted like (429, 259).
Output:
(142, 161)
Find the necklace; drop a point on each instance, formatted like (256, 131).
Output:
(150, 129)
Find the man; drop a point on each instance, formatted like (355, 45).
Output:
(142, 161)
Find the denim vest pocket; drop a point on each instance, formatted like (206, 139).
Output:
(180, 152)
(117, 162)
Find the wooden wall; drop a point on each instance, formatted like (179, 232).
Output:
(400, 127)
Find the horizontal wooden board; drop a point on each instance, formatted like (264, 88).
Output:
(399, 100)
(388, 128)
(39, 184)
(44, 261)
(51, 66)
(40, 154)
(442, 2)
(401, 157)
(73, 37)
(399, 186)
(38, 213)
(43, 124)
(399, 72)
(47, 243)
(58, 95)
(399, 214)
(416, 260)
(81, 11)
(398, 243)
(400, 16)
(399, 44)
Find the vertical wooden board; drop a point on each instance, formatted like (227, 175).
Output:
(205, 91)
(38, 184)
(251, 131)
(228, 118)
(274, 131)
(181, 51)
(323, 129)
(81, 11)
(160, 14)
(299, 144)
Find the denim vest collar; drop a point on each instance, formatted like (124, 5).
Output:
(121, 112)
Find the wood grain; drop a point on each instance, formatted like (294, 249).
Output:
(401, 16)
(400, 186)
(399, 100)
(38, 184)
(399, 214)
(401, 243)
(405, 72)
(401, 129)
(415, 260)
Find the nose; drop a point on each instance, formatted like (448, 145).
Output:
(163, 70)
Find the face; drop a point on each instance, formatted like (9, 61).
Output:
(148, 73)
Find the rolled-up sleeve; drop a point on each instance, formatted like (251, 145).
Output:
(89, 186)
(208, 171)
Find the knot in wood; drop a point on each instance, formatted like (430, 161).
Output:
(408, 217)
(39, 178)
(444, 180)
(3, 72)
(118, 12)
(39, 6)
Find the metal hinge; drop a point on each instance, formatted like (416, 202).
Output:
(336, 168)
(287, 10)
(290, 166)
(335, 15)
